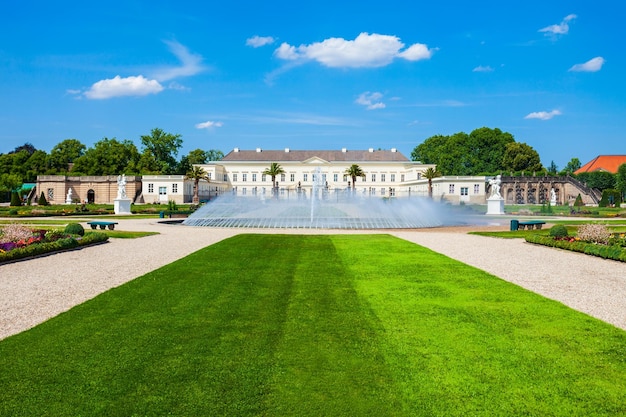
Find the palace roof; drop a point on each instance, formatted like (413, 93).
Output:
(342, 155)
(608, 163)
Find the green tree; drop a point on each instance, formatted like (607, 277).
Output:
(273, 171)
(521, 157)
(354, 171)
(601, 180)
(553, 169)
(15, 199)
(65, 153)
(572, 166)
(162, 149)
(109, 157)
(197, 173)
(480, 152)
(430, 174)
(42, 200)
(620, 183)
(198, 156)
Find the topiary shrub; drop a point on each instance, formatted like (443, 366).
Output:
(75, 229)
(558, 231)
(42, 200)
(15, 199)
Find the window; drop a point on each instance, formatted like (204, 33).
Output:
(451, 189)
(234, 177)
(244, 191)
(175, 188)
(382, 177)
(382, 191)
(225, 177)
(162, 190)
(464, 191)
(345, 178)
(393, 177)
(305, 177)
(335, 177)
(402, 178)
(244, 177)
(419, 175)
(392, 192)
(292, 177)
(476, 188)
(209, 176)
(282, 177)
(263, 177)
(363, 178)
(253, 177)
(50, 193)
(373, 177)
(150, 188)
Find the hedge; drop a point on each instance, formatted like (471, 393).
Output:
(613, 252)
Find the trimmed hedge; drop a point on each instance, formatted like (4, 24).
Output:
(51, 247)
(613, 252)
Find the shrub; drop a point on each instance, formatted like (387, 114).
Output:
(13, 212)
(595, 233)
(15, 199)
(610, 198)
(172, 206)
(42, 200)
(75, 229)
(558, 231)
(54, 235)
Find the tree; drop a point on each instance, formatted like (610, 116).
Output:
(28, 147)
(163, 147)
(553, 169)
(65, 153)
(572, 166)
(15, 199)
(353, 172)
(198, 157)
(197, 173)
(42, 200)
(274, 170)
(621, 180)
(109, 157)
(480, 152)
(521, 157)
(430, 174)
(601, 180)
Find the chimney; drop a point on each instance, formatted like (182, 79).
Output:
(286, 150)
(394, 150)
(236, 150)
(371, 150)
(258, 150)
(344, 150)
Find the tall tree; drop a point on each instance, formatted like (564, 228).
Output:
(109, 157)
(198, 156)
(521, 157)
(430, 174)
(65, 153)
(197, 173)
(163, 147)
(273, 171)
(572, 166)
(354, 171)
(621, 181)
(552, 169)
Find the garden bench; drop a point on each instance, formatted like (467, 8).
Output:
(530, 224)
(103, 225)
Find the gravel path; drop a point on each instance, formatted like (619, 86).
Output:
(35, 290)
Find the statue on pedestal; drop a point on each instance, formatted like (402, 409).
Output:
(495, 187)
(121, 186)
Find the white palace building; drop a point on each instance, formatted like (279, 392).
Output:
(388, 173)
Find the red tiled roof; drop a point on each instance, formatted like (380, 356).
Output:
(608, 163)
(330, 156)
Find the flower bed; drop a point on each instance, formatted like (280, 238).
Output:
(615, 250)
(19, 242)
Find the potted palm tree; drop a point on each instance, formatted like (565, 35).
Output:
(354, 171)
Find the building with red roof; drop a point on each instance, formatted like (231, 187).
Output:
(607, 163)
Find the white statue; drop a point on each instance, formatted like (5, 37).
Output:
(121, 186)
(552, 197)
(68, 199)
(495, 187)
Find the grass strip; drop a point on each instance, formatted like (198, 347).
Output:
(316, 325)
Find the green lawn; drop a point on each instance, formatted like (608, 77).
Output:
(284, 325)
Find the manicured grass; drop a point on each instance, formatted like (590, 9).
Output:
(316, 325)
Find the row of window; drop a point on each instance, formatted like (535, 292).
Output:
(255, 191)
(162, 189)
(464, 190)
(305, 177)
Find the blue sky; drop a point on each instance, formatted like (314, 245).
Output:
(315, 75)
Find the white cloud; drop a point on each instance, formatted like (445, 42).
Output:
(258, 41)
(118, 87)
(593, 65)
(371, 101)
(209, 124)
(543, 115)
(191, 64)
(364, 51)
(480, 68)
(560, 29)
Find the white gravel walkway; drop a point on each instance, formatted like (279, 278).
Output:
(35, 290)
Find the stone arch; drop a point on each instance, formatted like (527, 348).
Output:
(91, 196)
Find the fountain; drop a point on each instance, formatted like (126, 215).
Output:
(321, 209)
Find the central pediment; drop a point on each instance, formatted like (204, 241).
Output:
(315, 161)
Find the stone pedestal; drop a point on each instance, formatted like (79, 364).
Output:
(495, 205)
(122, 206)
